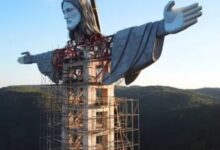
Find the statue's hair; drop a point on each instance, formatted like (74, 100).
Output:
(88, 25)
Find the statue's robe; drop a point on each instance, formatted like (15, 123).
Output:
(133, 49)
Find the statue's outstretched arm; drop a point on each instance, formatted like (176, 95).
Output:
(178, 19)
(43, 61)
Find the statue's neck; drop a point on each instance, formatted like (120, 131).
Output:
(77, 36)
(80, 38)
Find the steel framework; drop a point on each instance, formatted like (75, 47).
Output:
(81, 113)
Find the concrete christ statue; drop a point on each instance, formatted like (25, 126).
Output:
(131, 49)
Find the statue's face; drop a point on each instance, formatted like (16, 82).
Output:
(71, 15)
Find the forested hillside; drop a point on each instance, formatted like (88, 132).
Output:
(19, 113)
(170, 118)
(175, 119)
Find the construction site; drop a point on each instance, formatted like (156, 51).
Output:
(82, 113)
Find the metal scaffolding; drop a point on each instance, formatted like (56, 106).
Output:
(82, 113)
(126, 123)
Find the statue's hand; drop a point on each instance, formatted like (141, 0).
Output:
(178, 19)
(26, 59)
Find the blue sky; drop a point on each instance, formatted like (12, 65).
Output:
(190, 59)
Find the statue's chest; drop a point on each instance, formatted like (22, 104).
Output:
(86, 63)
(99, 49)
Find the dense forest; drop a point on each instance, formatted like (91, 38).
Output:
(170, 118)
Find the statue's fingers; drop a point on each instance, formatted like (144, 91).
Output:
(192, 11)
(169, 6)
(189, 23)
(192, 17)
(25, 53)
(187, 8)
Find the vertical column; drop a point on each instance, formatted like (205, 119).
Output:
(88, 111)
(100, 111)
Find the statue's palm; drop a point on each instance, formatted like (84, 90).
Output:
(178, 19)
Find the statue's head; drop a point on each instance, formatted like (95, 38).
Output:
(71, 15)
(79, 17)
